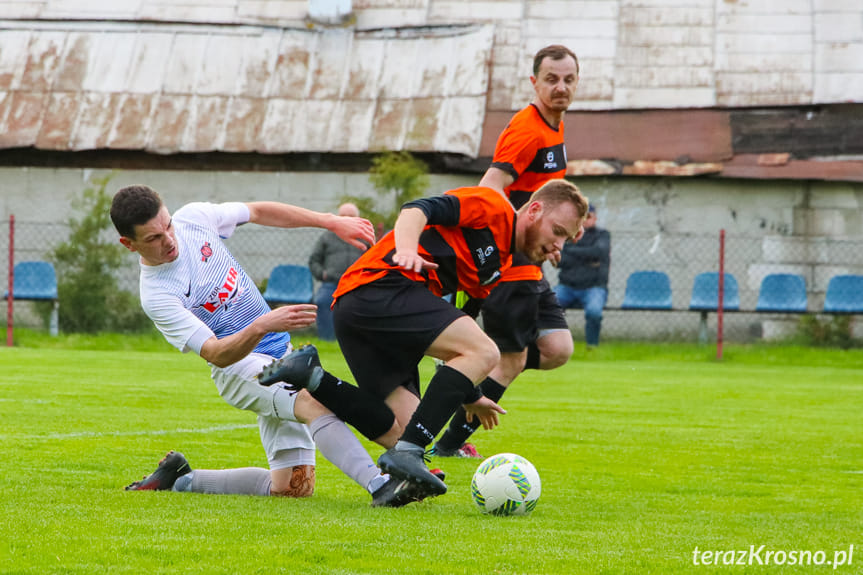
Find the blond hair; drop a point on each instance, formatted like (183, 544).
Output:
(559, 191)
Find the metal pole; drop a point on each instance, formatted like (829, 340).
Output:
(9, 302)
(720, 303)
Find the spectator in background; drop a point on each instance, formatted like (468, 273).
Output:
(329, 260)
(583, 275)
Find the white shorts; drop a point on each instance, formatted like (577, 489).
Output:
(286, 441)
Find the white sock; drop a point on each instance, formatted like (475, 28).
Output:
(344, 450)
(241, 481)
(377, 482)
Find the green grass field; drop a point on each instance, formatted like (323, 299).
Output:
(645, 453)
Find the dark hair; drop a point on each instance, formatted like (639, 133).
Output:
(559, 191)
(134, 206)
(555, 52)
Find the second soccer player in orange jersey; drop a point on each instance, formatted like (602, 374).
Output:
(522, 315)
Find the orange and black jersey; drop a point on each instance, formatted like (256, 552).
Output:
(532, 152)
(470, 235)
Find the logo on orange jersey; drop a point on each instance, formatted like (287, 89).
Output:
(482, 255)
(224, 293)
(550, 163)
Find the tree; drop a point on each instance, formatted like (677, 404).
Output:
(90, 300)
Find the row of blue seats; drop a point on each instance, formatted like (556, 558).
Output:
(38, 281)
(645, 290)
(651, 290)
(782, 293)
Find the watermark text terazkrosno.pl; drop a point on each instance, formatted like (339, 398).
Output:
(761, 555)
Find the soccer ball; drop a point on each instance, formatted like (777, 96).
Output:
(505, 484)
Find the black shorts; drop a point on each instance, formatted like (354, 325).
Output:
(384, 329)
(516, 312)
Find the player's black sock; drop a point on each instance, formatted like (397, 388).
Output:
(460, 429)
(446, 391)
(533, 356)
(364, 411)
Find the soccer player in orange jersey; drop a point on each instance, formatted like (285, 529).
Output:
(522, 315)
(389, 313)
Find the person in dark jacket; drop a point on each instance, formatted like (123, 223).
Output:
(329, 260)
(583, 275)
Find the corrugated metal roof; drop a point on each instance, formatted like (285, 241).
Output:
(169, 89)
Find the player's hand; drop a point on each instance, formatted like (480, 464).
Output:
(413, 261)
(289, 317)
(358, 232)
(553, 257)
(486, 410)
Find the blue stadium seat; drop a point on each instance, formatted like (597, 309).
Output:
(782, 293)
(647, 290)
(34, 281)
(37, 281)
(844, 294)
(705, 293)
(289, 284)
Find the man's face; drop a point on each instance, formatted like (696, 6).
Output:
(548, 229)
(155, 240)
(555, 83)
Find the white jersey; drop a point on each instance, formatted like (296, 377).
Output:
(205, 292)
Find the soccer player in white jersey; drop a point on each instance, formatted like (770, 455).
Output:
(201, 300)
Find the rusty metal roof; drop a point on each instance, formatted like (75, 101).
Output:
(191, 88)
(172, 89)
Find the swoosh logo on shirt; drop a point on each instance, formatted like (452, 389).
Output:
(189, 291)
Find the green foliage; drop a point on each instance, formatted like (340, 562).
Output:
(90, 300)
(398, 178)
(834, 331)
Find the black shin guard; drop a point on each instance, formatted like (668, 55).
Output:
(446, 391)
(460, 429)
(365, 412)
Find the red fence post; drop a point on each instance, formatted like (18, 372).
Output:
(9, 304)
(719, 304)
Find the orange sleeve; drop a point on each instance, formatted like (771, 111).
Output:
(516, 147)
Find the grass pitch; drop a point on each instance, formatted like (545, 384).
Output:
(645, 453)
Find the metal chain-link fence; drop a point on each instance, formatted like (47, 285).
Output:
(748, 259)
(681, 257)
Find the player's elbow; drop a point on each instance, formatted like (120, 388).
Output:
(214, 355)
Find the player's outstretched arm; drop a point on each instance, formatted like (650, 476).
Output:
(231, 349)
(358, 232)
(407, 232)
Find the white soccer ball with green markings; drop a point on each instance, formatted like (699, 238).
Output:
(506, 484)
